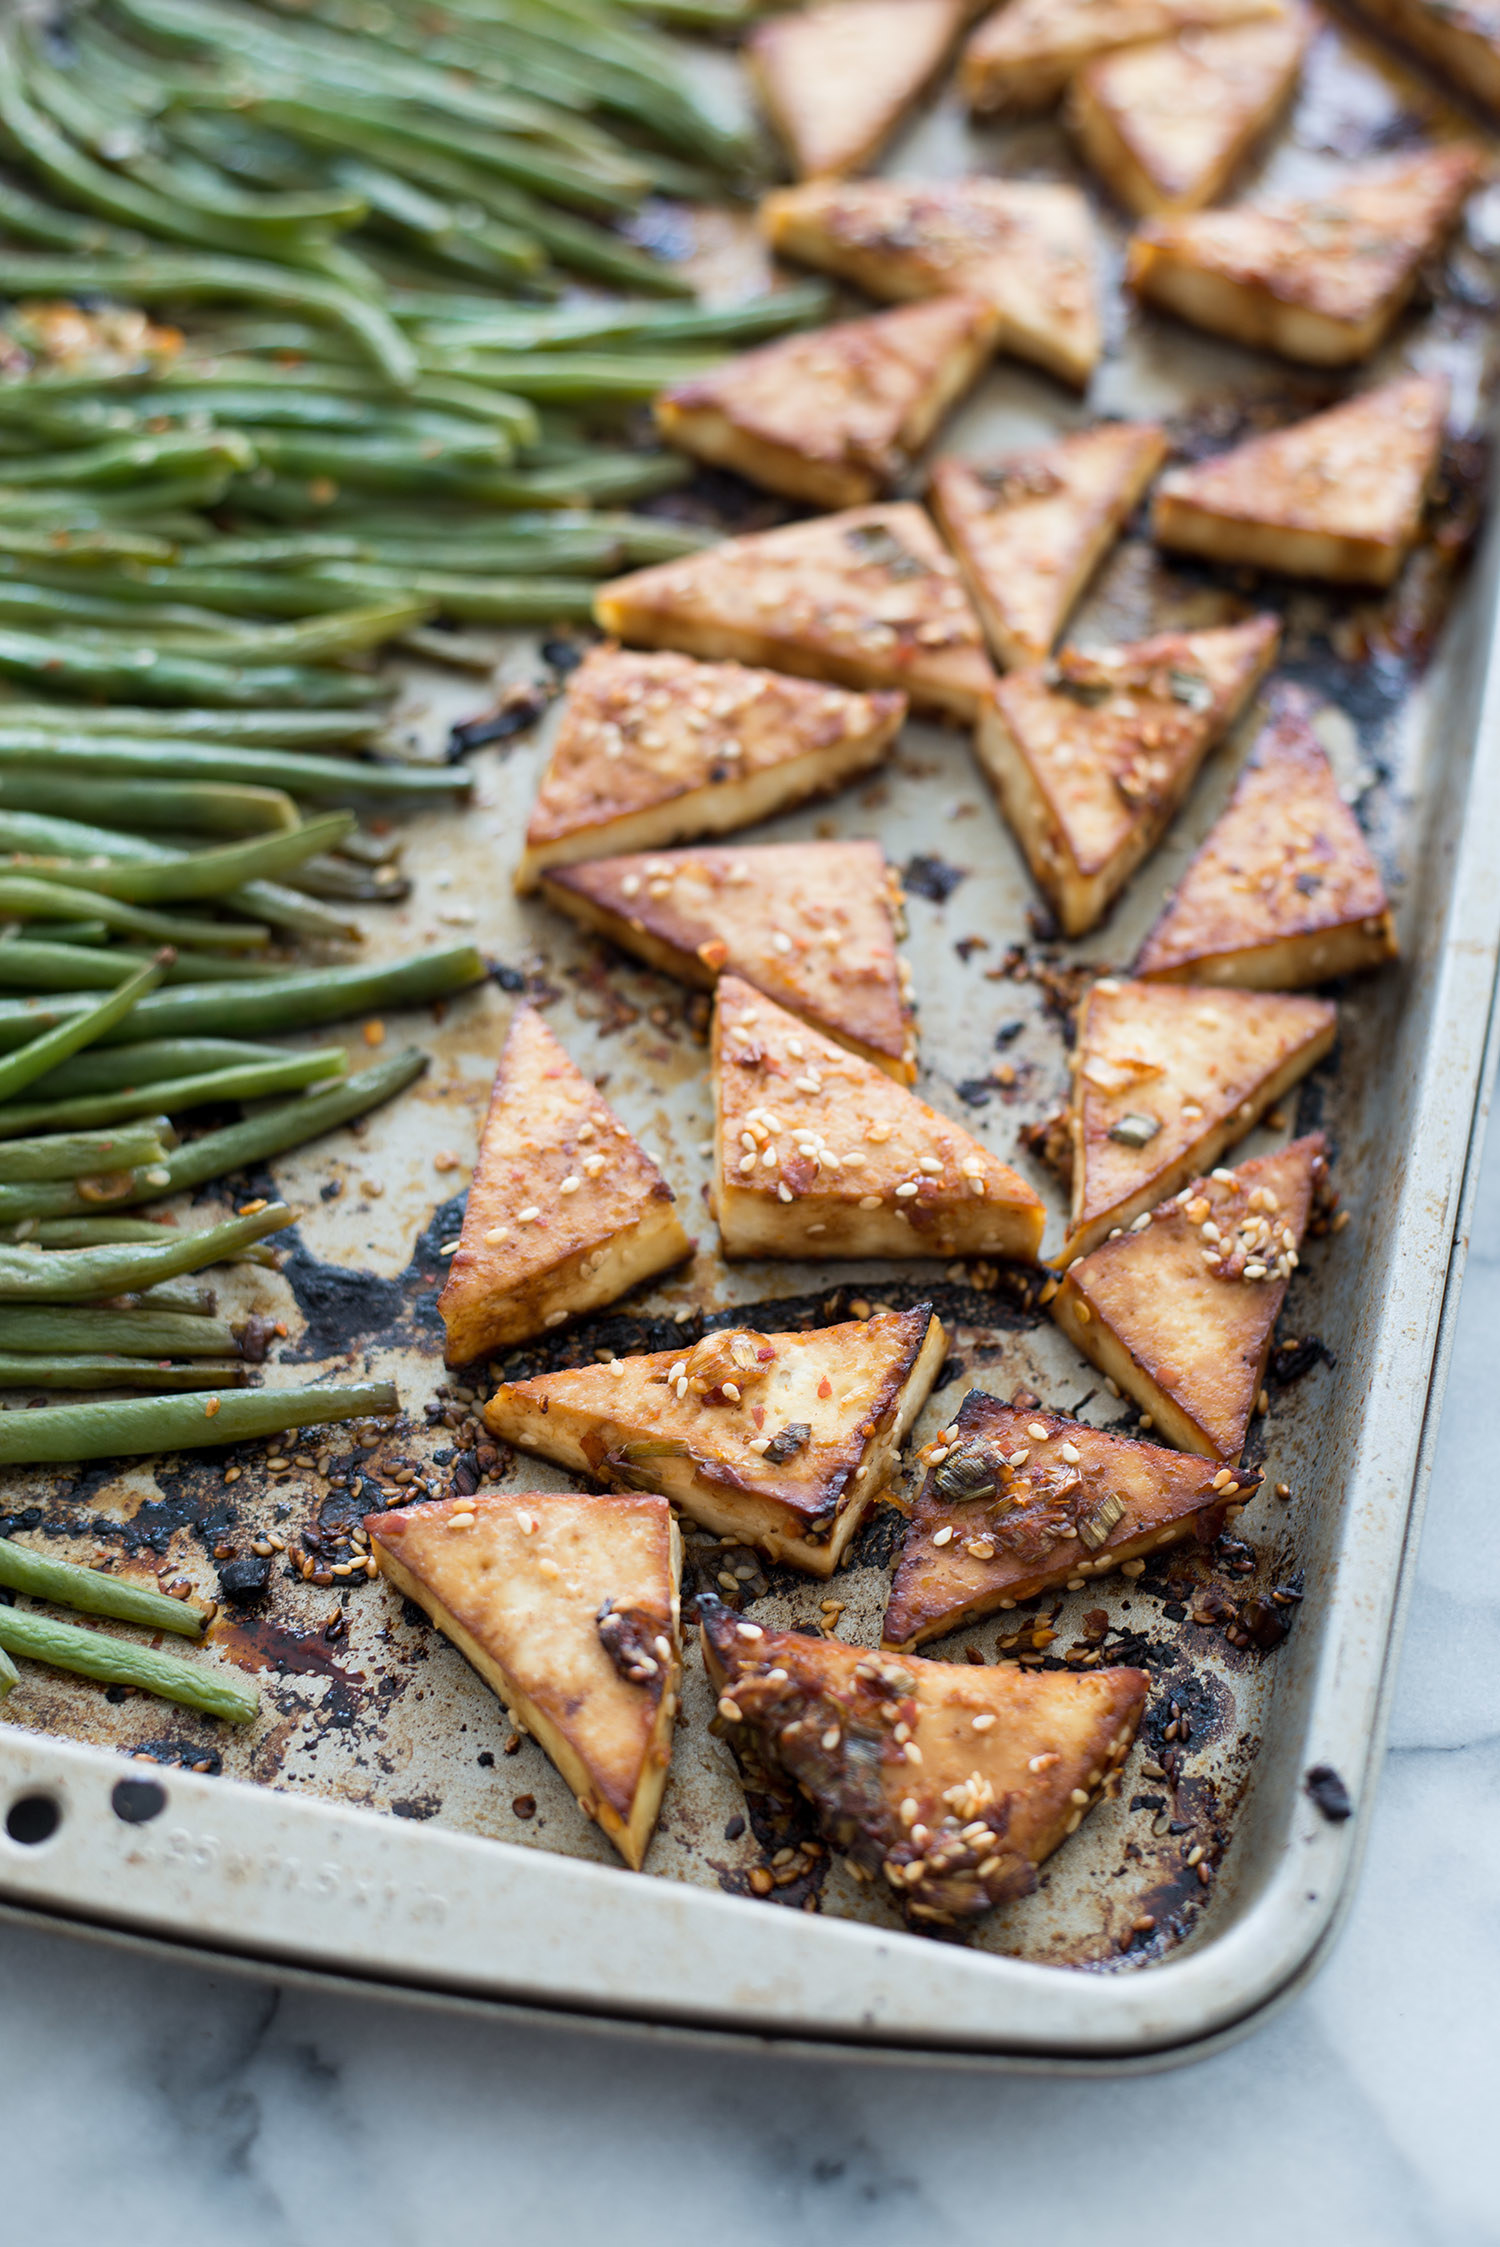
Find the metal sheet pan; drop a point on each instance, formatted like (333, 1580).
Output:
(374, 1824)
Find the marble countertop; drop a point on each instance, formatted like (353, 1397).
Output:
(143, 2100)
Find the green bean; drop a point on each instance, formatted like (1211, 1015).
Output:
(91, 1592)
(171, 278)
(166, 1295)
(10, 1676)
(122, 459)
(65, 932)
(81, 1371)
(205, 873)
(322, 779)
(70, 1432)
(76, 1154)
(31, 965)
(290, 728)
(44, 1043)
(33, 900)
(52, 606)
(31, 220)
(319, 639)
(42, 1329)
(94, 1232)
(175, 677)
(180, 806)
(479, 600)
(125, 1068)
(75, 1275)
(252, 1081)
(114, 1661)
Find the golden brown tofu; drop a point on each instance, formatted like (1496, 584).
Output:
(813, 925)
(1339, 496)
(1166, 1077)
(837, 79)
(1320, 279)
(1030, 530)
(652, 749)
(1284, 891)
(1168, 125)
(778, 1440)
(835, 417)
(1180, 1315)
(949, 1782)
(1027, 247)
(869, 598)
(819, 1154)
(1016, 1503)
(1024, 55)
(1461, 37)
(1090, 756)
(567, 1606)
(565, 1211)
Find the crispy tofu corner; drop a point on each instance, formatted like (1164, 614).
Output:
(869, 599)
(1181, 1319)
(654, 748)
(1168, 124)
(781, 1441)
(1023, 1501)
(1030, 530)
(951, 1783)
(567, 1606)
(1283, 891)
(1338, 496)
(1317, 279)
(1168, 1077)
(1029, 248)
(812, 925)
(1090, 756)
(565, 1211)
(818, 1154)
(837, 416)
(837, 78)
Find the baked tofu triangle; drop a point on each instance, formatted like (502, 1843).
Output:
(1320, 279)
(813, 925)
(835, 417)
(1024, 1502)
(1339, 496)
(870, 598)
(837, 79)
(565, 1211)
(949, 1782)
(778, 1440)
(567, 1605)
(1024, 55)
(1167, 125)
(1027, 247)
(1165, 1078)
(1462, 42)
(1090, 756)
(1030, 530)
(818, 1154)
(1284, 891)
(1180, 1315)
(652, 749)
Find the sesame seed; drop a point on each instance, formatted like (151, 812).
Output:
(930, 1164)
(1036, 1431)
(983, 1723)
(1080, 1796)
(944, 1536)
(554, 1318)
(906, 1191)
(866, 1201)
(495, 1235)
(1070, 1452)
(570, 1185)
(529, 1215)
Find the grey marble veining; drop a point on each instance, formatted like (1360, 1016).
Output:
(143, 2102)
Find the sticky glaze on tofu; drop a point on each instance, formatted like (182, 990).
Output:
(868, 599)
(652, 749)
(1029, 530)
(1020, 1502)
(1027, 247)
(812, 925)
(777, 1440)
(835, 417)
(565, 1210)
(1180, 1316)
(817, 1153)
(950, 1783)
(1091, 755)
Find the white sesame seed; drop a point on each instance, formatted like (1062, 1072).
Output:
(983, 1723)
(1071, 1453)
(554, 1318)
(944, 1536)
(906, 1191)
(931, 1165)
(1035, 1429)
(529, 1215)
(570, 1184)
(869, 1201)
(495, 1235)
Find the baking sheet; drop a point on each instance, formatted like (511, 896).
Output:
(368, 1708)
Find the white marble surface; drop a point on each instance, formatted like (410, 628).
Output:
(143, 2102)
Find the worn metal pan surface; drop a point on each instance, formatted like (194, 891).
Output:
(383, 1821)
